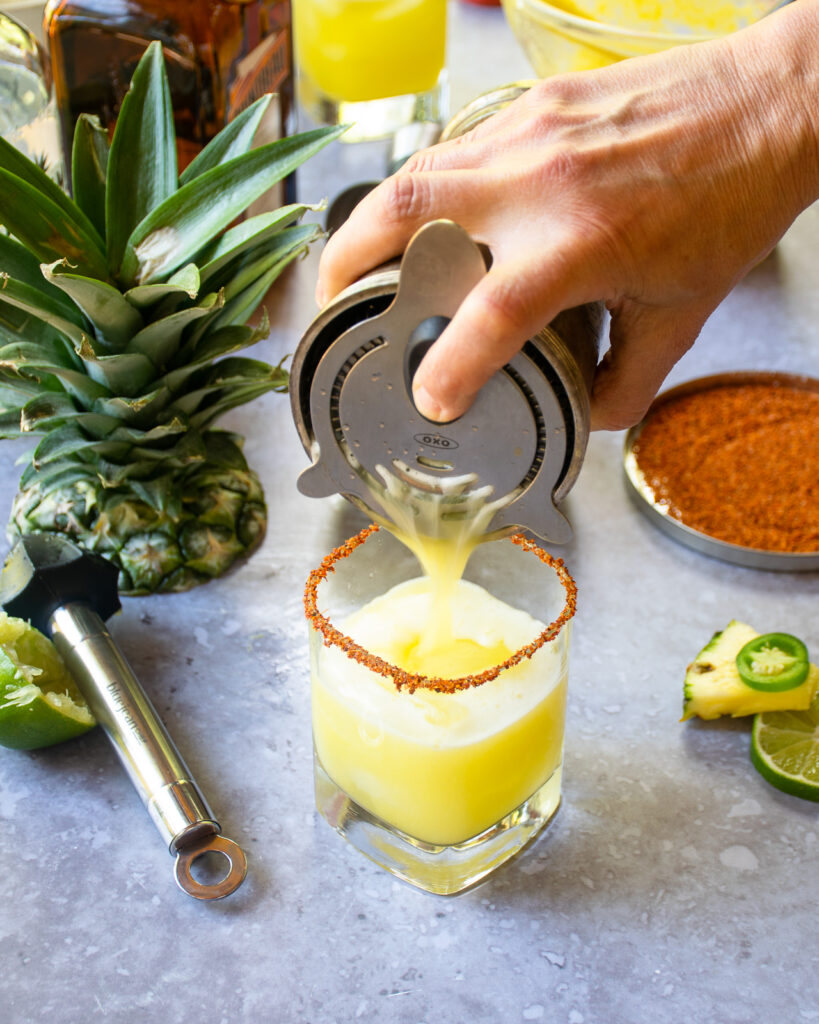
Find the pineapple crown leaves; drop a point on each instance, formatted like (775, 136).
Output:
(121, 308)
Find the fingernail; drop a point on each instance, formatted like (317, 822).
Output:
(426, 404)
(320, 296)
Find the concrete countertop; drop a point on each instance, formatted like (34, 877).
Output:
(674, 885)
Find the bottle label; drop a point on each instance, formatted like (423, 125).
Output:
(263, 70)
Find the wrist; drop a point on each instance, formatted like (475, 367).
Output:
(779, 58)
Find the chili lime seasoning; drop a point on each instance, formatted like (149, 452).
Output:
(738, 462)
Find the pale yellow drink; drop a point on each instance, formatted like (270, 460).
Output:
(359, 50)
(716, 17)
(560, 36)
(441, 767)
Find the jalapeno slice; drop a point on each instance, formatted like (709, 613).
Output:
(774, 662)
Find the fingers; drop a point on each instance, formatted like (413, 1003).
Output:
(382, 224)
(510, 304)
(645, 343)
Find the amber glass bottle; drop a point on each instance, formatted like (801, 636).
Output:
(220, 56)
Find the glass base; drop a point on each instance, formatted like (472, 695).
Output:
(444, 870)
(376, 119)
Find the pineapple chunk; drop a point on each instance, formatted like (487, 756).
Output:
(713, 686)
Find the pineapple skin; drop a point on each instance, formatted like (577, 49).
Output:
(220, 519)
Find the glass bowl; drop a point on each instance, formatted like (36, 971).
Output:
(587, 34)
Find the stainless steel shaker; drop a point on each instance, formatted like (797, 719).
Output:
(351, 383)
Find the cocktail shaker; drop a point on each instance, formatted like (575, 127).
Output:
(351, 384)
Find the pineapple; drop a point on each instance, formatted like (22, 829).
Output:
(120, 313)
(713, 686)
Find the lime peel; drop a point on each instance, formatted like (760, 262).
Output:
(785, 750)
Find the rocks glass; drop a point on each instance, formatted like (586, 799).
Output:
(438, 780)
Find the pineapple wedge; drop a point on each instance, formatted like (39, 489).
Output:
(713, 686)
(121, 310)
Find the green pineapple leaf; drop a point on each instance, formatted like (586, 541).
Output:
(70, 440)
(216, 344)
(142, 171)
(83, 232)
(254, 263)
(244, 303)
(25, 355)
(228, 381)
(160, 341)
(44, 413)
(137, 411)
(233, 140)
(46, 229)
(126, 373)
(89, 167)
(17, 262)
(65, 318)
(76, 383)
(17, 324)
(35, 482)
(115, 320)
(247, 235)
(186, 222)
(44, 479)
(213, 410)
(184, 284)
(9, 423)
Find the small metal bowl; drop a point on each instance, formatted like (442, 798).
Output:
(643, 497)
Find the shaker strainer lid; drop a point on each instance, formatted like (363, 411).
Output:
(353, 405)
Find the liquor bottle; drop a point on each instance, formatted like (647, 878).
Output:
(28, 115)
(220, 55)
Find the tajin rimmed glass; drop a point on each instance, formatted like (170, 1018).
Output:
(438, 780)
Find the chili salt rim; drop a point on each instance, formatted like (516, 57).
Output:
(413, 681)
(643, 497)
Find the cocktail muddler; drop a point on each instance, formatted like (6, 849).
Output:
(68, 593)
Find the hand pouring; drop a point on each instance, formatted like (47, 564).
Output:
(68, 594)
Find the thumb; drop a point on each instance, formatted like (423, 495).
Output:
(645, 342)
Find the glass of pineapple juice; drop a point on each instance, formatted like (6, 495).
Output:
(373, 64)
(438, 777)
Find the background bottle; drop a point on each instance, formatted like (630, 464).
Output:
(220, 55)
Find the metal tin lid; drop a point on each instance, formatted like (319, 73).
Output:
(657, 512)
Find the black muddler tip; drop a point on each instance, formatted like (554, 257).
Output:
(46, 571)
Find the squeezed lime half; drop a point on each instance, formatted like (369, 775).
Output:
(40, 704)
(785, 750)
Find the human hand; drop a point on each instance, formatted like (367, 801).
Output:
(653, 185)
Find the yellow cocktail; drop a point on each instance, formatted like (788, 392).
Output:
(560, 36)
(352, 52)
(439, 741)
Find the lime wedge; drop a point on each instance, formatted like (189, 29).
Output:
(39, 701)
(785, 750)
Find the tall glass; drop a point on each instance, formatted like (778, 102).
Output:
(376, 65)
(438, 780)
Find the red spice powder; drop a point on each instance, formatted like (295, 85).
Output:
(739, 463)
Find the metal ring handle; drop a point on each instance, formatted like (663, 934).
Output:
(211, 844)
